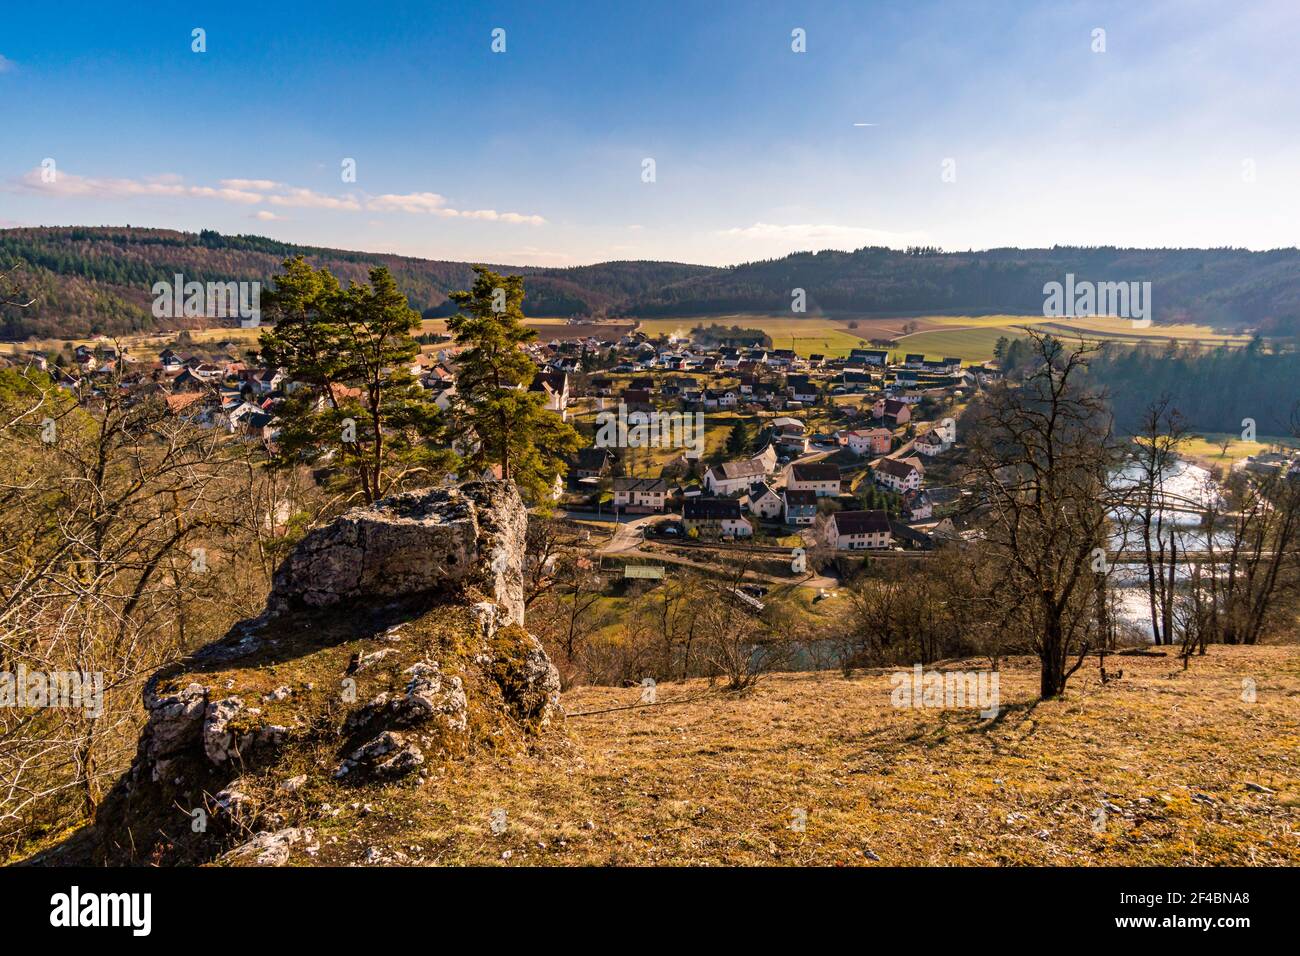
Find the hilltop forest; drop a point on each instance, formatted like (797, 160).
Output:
(98, 280)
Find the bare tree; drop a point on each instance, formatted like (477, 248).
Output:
(111, 513)
(1044, 455)
(1155, 453)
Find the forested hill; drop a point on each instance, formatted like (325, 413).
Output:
(92, 280)
(99, 280)
(1231, 287)
(1215, 390)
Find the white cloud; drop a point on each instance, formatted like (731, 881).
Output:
(265, 215)
(251, 192)
(309, 199)
(89, 187)
(436, 205)
(410, 202)
(256, 185)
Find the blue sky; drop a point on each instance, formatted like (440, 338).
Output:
(1183, 132)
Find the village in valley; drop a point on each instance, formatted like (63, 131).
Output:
(723, 444)
(791, 453)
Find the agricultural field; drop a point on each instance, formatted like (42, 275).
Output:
(813, 334)
(970, 338)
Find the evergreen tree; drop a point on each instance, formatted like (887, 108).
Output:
(740, 441)
(358, 407)
(512, 427)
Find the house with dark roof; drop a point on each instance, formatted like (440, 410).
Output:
(897, 413)
(715, 516)
(917, 506)
(640, 495)
(898, 474)
(591, 463)
(800, 506)
(555, 386)
(637, 400)
(764, 501)
(869, 356)
(820, 477)
(858, 530)
(801, 388)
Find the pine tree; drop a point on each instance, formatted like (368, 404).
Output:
(740, 441)
(357, 407)
(512, 427)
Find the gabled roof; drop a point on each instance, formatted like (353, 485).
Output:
(815, 471)
(589, 459)
(554, 381)
(730, 470)
(710, 509)
(651, 486)
(860, 522)
(800, 499)
(896, 468)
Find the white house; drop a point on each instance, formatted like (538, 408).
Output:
(765, 502)
(858, 530)
(819, 477)
(640, 494)
(917, 506)
(869, 441)
(732, 477)
(899, 474)
(932, 443)
(715, 515)
(555, 386)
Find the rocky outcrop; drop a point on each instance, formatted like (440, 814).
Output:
(392, 641)
(470, 536)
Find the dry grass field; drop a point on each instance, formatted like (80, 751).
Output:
(1157, 768)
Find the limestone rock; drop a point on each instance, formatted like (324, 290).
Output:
(418, 541)
(219, 743)
(386, 757)
(174, 724)
(274, 848)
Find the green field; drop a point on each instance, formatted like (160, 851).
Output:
(829, 337)
(970, 338)
(972, 346)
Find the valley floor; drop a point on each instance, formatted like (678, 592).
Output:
(811, 768)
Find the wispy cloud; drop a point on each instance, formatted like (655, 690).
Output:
(7, 65)
(256, 191)
(310, 199)
(257, 185)
(436, 205)
(89, 187)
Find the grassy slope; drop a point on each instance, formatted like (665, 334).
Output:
(716, 780)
